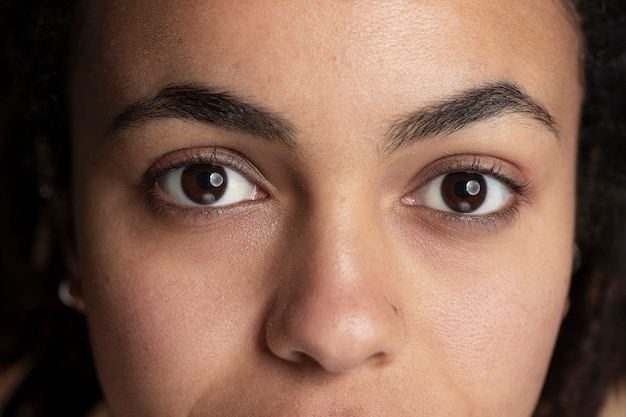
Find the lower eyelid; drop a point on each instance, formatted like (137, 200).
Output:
(195, 216)
(455, 225)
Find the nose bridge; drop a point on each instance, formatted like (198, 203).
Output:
(342, 248)
(337, 307)
(339, 245)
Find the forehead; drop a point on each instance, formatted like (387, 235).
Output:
(350, 48)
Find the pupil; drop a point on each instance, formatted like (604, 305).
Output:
(204, 184)
(460, 189)
(464, 192)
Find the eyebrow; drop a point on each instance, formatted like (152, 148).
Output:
(226, 111)
(208, 105)
(465, 109)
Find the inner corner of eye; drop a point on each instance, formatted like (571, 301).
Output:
(259, 193)
(410, 200)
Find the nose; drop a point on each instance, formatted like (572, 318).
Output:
(337, 308)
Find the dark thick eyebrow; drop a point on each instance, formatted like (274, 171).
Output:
(207, 105)
(463, 110)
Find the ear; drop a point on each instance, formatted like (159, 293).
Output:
(55, 190)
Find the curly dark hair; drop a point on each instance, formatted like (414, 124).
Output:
(50, 340)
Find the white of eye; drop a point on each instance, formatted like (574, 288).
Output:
(237, 188)
(497, 195)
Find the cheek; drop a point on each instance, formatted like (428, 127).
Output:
(161, 302)
(491, 329)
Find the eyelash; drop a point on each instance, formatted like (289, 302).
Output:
(521, 190)
(228, 158)
(184, 158)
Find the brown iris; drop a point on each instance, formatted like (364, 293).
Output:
(204, 184)
(464, 192)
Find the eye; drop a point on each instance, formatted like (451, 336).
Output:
(208, 185)
(463, 192)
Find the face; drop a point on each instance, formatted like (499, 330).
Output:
(307, 208)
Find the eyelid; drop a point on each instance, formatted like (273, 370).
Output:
(495, 167)
(448, 221)
(175, 160)
(182, 158)
(237, 190)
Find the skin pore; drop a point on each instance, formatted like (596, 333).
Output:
(332, 278)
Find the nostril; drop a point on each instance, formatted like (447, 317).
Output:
(303, 359)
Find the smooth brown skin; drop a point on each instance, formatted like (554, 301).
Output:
(328, 295)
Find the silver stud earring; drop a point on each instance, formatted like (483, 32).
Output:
(65, 295)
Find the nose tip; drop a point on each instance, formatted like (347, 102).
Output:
(336, 333)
